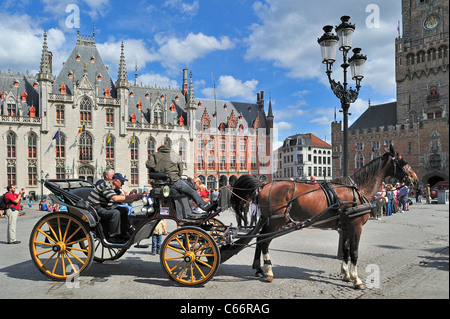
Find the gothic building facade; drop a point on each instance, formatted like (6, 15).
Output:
(417, 124)
(76, 124)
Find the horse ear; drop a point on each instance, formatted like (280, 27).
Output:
(391, 150)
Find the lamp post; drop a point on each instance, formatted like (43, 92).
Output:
(346, 95)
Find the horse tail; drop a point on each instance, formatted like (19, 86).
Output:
(243, 190)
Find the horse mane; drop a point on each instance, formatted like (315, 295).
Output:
(365, 174)
(243, 189)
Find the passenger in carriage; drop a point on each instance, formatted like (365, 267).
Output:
(169, 162)
(108, 174)
(103, 197)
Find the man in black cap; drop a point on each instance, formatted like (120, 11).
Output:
(103, 197)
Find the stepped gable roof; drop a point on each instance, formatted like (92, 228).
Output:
(376, 116)
(248, 111)
(25, 83)
(84, 56)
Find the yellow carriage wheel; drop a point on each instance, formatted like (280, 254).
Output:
(61, 246)
(190, 256)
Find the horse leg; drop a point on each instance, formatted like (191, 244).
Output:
(257, 262)
(354, 244)
(268, 274)
(345, 269)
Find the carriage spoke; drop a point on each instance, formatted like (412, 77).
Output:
(203, 263)
(179, 242)
(44, 252)
(176, 266)
(173, 258)
(50, 258)
(199, 270)
(56, 263)
(67, 228)
(46, 235)
(174, 249)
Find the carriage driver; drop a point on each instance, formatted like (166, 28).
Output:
(167, 161)
(103, 197)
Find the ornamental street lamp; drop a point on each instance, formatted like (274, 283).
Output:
(328, 43)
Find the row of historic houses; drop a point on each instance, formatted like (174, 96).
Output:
(76, 124)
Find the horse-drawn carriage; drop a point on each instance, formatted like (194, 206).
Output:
(64, 244)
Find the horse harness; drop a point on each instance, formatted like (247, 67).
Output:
(334, 202)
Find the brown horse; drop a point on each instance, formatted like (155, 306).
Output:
(289, 203)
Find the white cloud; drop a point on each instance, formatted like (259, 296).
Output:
(323, 120)
(229, 87)
(24, 44)
(135, 51)
(186, 8)
(282, 126)
(287, 31)
(174, 52)
(152, 79)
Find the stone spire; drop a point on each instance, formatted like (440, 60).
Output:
(122, 77)
(191, 90)
(45, 73)
(269, 112)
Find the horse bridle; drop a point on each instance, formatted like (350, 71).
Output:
(401, 163)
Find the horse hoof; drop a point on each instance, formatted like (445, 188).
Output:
(259, 274)
(360, 286)
(269, 278)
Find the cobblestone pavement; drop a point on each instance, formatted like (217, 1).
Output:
(406, 254)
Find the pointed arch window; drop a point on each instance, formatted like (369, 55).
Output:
(151, 146)
(60, 148)
(134, 148)
(168, 142)
(85, 112)
(60, 114)
(110, 142)
(85, 147)
(182, 150)
(32, 146)
(11, 145)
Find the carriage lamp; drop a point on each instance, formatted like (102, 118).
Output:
(166, 191)
(328, 42)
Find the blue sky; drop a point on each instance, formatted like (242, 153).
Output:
(249, 46)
